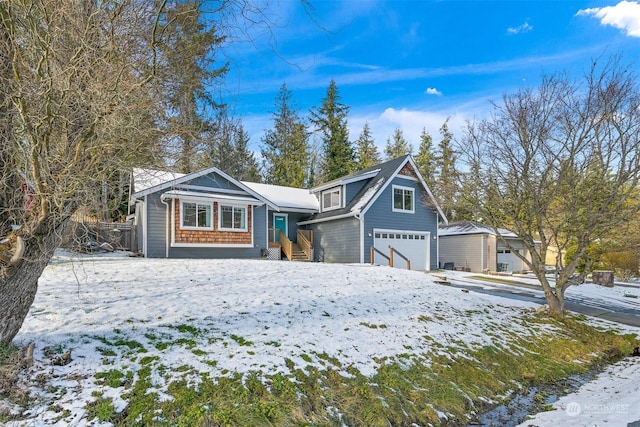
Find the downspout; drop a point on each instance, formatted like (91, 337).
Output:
(145, 228)
(168, 229)
(361, 219)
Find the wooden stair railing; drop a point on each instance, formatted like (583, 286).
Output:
(373, 252)
(287, 246)
(389, 258)
(395, 251)
(305, 240)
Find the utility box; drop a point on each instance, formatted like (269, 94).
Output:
(603, 278)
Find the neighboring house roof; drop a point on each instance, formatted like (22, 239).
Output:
(379, 177)
(143, 179)
(470, 227)
(286, 198)
(149, 181)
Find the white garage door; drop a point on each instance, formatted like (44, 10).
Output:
(508, 261)
(412, 244)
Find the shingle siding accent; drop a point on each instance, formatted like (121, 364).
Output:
(381, 215)
(214, 236)
(259, 243)
(337, 241)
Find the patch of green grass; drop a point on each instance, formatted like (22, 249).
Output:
(114, 378)
(188, 329)
(102, 409)
(106, 351)
(409, 389)
(240, 340)
(373, 326)
(131, 344)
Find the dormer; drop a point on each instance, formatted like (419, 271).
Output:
(331, 198)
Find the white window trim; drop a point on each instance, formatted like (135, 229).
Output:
(187, 227)
(234, 206)
(331, 190)
(413, 199)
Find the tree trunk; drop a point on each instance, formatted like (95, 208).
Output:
(555, 300)
(19, 284)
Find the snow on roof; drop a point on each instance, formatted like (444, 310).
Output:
(286, 197)
(366, 197)
(144, 179)
(468, 227)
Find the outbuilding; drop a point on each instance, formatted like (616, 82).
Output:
(470, 246)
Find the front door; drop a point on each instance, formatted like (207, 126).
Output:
(279, 223)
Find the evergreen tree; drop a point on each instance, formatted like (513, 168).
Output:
(217, 147)
(330, 119)
(367, 154)
(246, 165)
(425, 160)
(226, 147)
(447, 179)
(397, 146)
(189, 68)
(286, 147)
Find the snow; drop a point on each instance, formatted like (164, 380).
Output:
(366, 197)
(286, 197)
(468, 227)
(613, 399)
(253, 315)
(148, 178)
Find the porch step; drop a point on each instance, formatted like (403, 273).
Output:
(297, 254)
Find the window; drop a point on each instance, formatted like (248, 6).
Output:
(196, 216)
(403, 200)
(233, 218)
(331, 199)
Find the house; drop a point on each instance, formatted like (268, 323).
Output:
(470, 246)
(385, 205)
(208, 214)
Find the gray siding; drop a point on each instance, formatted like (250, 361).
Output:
(380, 215)
(337, 241)
(213, 181)
(468, 250)
(156, 227)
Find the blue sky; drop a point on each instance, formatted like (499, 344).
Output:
(412, 64)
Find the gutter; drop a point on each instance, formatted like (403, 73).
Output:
(330, 218)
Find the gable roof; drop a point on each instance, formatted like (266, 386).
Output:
(149, 181)
(379, 177)
(469, 227)
(286, 198)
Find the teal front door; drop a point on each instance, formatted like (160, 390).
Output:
(279, 223)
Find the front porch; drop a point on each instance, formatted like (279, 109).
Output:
(299, 250)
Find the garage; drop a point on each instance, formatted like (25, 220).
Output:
(412, 244)
(508, 261)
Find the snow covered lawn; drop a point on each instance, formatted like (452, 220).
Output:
(226, 316)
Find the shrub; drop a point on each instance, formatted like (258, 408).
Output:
(625, 264)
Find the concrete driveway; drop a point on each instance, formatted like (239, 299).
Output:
(608, 309)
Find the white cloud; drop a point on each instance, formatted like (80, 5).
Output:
(384, 123)
(524, 28)
(624, 16)
(433, 91)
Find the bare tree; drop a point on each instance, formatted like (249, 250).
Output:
(83, 94)
(559, 165)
